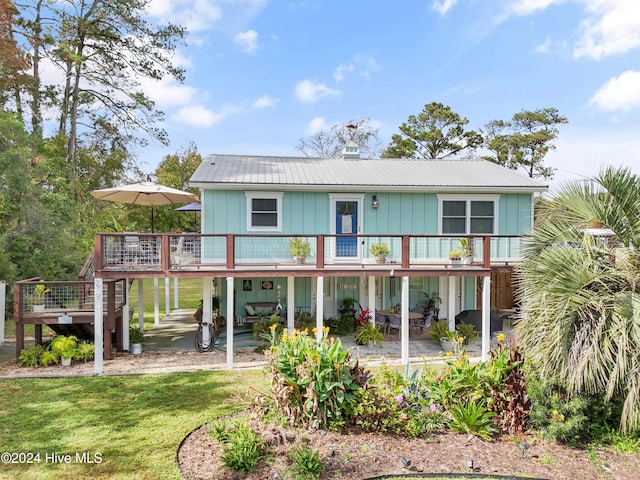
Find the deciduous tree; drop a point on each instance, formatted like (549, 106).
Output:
(330, 142)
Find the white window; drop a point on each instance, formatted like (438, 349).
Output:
(264, 211)
(468, 214)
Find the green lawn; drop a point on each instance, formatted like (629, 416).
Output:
(133, 424)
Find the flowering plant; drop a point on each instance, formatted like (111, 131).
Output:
(313, 378)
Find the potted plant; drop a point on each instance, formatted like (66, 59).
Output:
(136, 337)
(36, 299)
(368, 334)
(380, 251)
(455, 256)
(432, 298)
(465, 251)
(65, 347)
(347, 306)
(447, 338)
(300, 248)
(466, 331)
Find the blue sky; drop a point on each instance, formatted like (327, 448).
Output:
(261, 74)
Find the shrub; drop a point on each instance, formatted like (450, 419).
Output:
(64, 346)
(314, 381)
(306, 462)
(467, 331)
(242, 448)
(48, 358)
(473, 417)
(571, 418)
(30, 357)
(85, 351)
(341, 325)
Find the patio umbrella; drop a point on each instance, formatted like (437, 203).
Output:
(144, 193)
(192, 207)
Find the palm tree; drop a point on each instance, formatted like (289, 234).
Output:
(580, 292)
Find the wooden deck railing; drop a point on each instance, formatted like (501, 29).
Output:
(174, 253)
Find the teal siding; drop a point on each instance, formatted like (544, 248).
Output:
(398, 213)
(514, 214)
(302, 287)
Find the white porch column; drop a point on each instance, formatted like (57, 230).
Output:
(404, 321)
(291, 303)
(175, 293)
(167, 297)
(125, 317)
(207, 309)
(319, 306)
(372, 298)
(486, 316)
(98, 327)
(230, 297)
(156, 301)
(141, 303)
(451, 303)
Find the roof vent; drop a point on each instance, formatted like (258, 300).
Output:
(351, 150)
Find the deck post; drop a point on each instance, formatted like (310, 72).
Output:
(291, 303)
(372, 298)
(319, 307)
(451, 303)
(98, 324)
(156, 301)
(230, 302)
(207, 309)
(486, 317)
(167, 296)
(141, 303)
(126, 320)
(404, 319)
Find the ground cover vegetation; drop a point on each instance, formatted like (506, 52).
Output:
(316, 388)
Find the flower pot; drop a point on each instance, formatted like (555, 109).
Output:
(455, 262)
(38, 308)
(65, 362)
(299, 258)
(135, 349)
(447, 345)
(381, 259)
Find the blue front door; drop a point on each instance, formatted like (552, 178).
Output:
(347, 224)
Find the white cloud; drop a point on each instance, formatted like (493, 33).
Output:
(338, 74)
(544, 47)
(308, 91)
(197, 116)
(443, 6)
(527, 7)
(247, 40)
(365, 65)
(195, 15)
(168, 92)
(265, 101)
(317, 124)
(610, 27)
(620, 93)
(613, 28)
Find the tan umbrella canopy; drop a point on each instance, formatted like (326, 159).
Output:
(145, 193)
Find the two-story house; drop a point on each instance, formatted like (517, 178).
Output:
(419, 208)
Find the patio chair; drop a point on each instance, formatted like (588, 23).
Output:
(422, 323)
(382, 322)
(394, 323)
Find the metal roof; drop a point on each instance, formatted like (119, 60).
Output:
(331, 174)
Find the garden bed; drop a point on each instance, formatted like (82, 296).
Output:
(359, 455)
